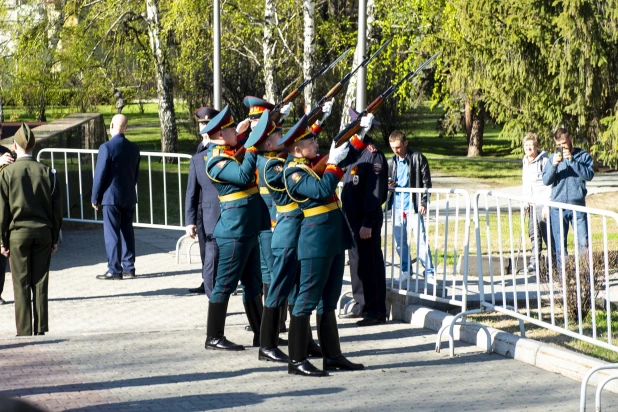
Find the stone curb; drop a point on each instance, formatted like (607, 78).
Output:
(550, 358)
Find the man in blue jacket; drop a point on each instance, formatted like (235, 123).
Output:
(567, 173)
(114, 188)
(202, 208)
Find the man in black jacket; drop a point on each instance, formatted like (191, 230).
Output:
(365, 187)
(409, 169)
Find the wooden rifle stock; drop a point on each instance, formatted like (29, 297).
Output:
(240, 154)
(316, 113)
(287, 99)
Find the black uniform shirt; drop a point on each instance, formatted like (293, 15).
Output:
(365, 186)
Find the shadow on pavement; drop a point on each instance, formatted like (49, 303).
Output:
(159, 292)
(151, 380)
(462, 359)
(30, 343)
(209, 401)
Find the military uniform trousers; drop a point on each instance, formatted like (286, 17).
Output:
(119, 239)
(285, 279)
(239, 260)
(209, 253)
(30, 253)
(320, 284)
(368, 272)
(266, 256)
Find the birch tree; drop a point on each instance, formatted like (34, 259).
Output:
(268, 49)
(308, 50)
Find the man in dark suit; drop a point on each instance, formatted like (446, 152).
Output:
(114, 188)
(202, 208)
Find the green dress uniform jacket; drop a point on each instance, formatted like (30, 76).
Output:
(31, 218)
(243, 216)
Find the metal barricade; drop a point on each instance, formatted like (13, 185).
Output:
(568, 294)
(159, 180)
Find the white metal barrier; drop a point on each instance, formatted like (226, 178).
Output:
(568, 294)
(149, 212)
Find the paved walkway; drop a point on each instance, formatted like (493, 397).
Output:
(138, 345)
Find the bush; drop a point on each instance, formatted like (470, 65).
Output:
(587, 298)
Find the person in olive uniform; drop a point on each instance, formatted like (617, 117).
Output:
(31, 216)
(324, 237)
(6, 158)
(365, 186)
(242, 218)
(202, 207)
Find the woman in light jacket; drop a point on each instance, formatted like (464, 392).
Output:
(533, 188)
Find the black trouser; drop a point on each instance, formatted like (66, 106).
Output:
(368, 272)
(2, 273)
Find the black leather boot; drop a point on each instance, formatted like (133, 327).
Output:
(283, 317)
(313, 349)
(269, 337)
(254, 309)
(299, 365)
(328, 336)
(215, 328)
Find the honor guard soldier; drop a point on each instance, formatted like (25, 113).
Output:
(202, 207)
(286, 268)
(256, 107)
(242, 218)
(324, 237)
(365, 186)
(31, 216)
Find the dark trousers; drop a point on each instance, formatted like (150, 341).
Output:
(266, 256)
(239, 260)
(2, 273)
(30, 256)
(320, 284)
(286, 275)
(368, 273)
(559, 244)
(119, 239)
(209, 253)
(535, 220)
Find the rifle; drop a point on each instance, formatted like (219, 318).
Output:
(353, 127)
(294, 93)
(316, 112)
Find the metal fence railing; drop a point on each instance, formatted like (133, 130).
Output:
(160, 187)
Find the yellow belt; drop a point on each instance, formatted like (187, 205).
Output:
(264, 191)
(238, 195)
(318, 210)
(287, 208)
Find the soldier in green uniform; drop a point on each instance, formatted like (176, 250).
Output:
(242, 218)
(31, 215)
(324, 237)
(257, 107)
(286, 269)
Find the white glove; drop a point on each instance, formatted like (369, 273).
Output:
(337, 154)
(243, 126)
(327, 109)
(365, 124)
(285, 110)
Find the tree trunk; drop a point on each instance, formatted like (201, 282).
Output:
(475, 145)
(350, 94)
(163, 77)
(308, 50)
(468, 119)
(268, 48)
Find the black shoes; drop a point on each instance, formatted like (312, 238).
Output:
(342, 363)
(313, 349)
(370, 321)
(272, 355)
(109, 276)
(2, 301)
(222, 344)
(39, 333)
(304, 368)
(199, 290)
